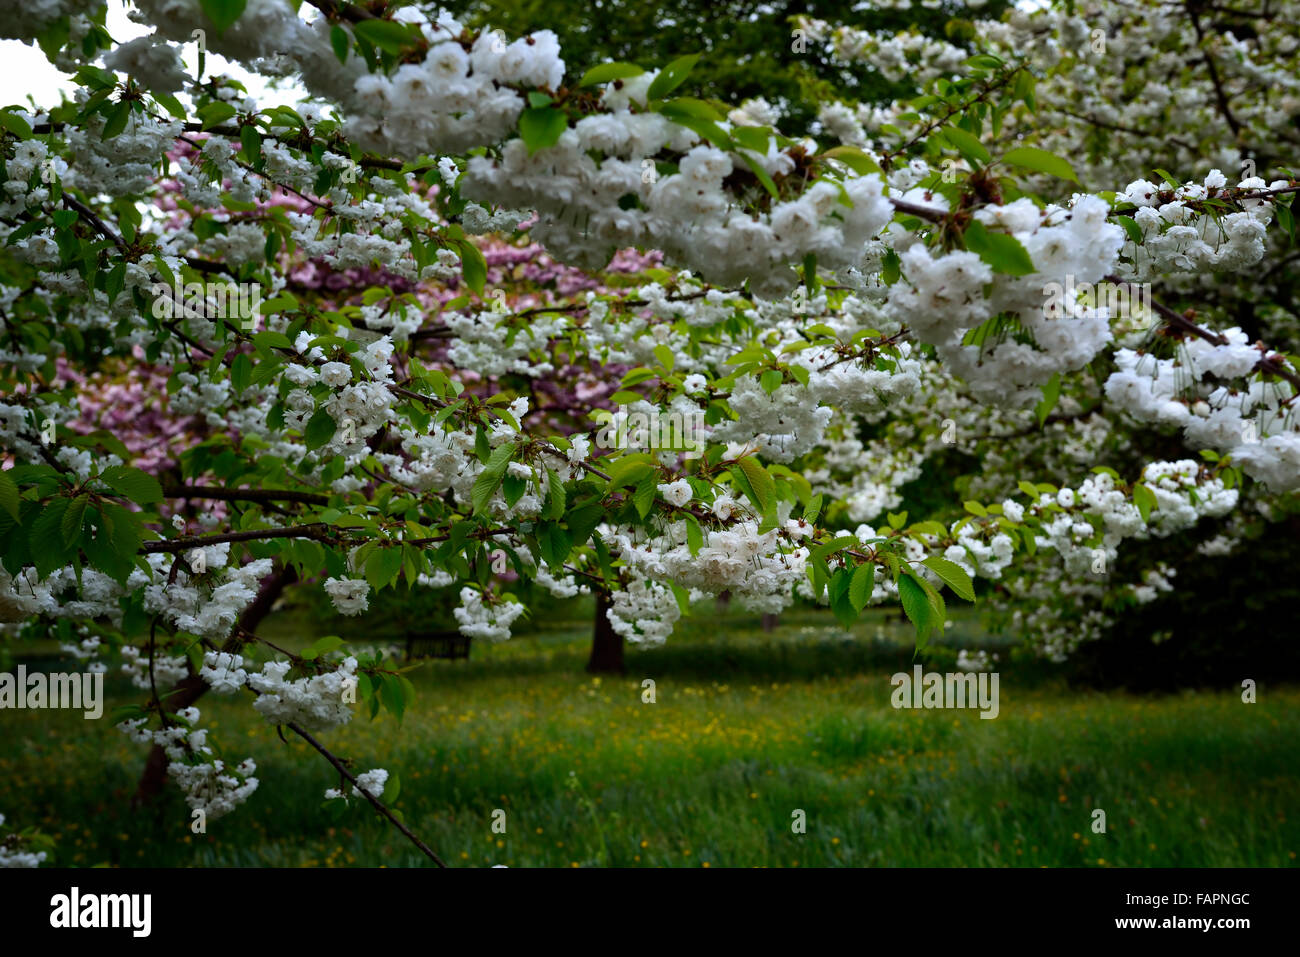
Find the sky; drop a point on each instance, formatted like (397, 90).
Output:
(24, 70)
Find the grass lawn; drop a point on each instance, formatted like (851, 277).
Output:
(747, 728)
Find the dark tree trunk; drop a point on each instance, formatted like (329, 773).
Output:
(606, 643)
(191, 688)
(769, 621)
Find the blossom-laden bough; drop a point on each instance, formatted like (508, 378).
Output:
(358, 386)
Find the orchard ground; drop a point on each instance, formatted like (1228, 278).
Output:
(746, 727)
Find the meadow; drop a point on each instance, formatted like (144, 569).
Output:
(746, 728)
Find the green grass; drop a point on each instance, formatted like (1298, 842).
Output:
(747, 727)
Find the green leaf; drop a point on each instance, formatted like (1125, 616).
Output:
(864, 580)
(473, 266)
(628, 471)
(671, 77)
(1145, 500)
(608, 72)
(953, 575)
(1024, 90)
(690, 106)
(583, 519)
(1132, 228)
(223, 13)
(388, 36)
(15, 124)
(644, 496)
(966, 144)
(665, 356)
(761, 174)
(760, 482)
(382, 567)
(493, 474)
(321, 646)
(1051, 392)
(694, 536)
(854, 158)
(1040, 161)
(46, 538)
(707, 130)
(241, 372)
(9, 495)
(1003, 253)
(116, 122)
(251, 140)
(320, 429)
(73, 519)
(339, 41)
(138, 486)
(555, 496)
(813, 509)
(917, 607)
(891, 267)
(540, 127)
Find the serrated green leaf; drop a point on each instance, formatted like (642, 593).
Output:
(320, 429)
(953, 575)
(138, 486)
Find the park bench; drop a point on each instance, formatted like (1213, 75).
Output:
(438, 644)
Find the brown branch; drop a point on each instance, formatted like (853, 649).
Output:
(378, 805)
(318, 531)
(1214, 75)
(1269, 363)
(217, 493)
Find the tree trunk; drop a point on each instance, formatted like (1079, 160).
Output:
(606, 643)
(769, 621)
(191, 688)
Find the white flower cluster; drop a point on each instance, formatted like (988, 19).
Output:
(491, 345)
(209, 785)
(910, 56)
(224, 671)
(1154, 583)
(317, 702)
(689, 214)
(150, 61)
(349, 595)
(759, 570)
(643, 612)
(978, 660)
(167, 669)
(1195, 391)
(488, 620)
(204, 603)
(943, 299)
(1177, 239)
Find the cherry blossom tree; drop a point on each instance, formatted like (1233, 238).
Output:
(746, 345)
